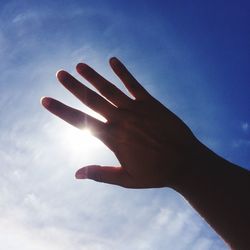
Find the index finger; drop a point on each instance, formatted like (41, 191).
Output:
(73, 116)
(86, 95)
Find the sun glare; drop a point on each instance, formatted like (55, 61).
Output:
(80, 141)
(87, 132)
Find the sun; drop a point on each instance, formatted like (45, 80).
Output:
(80, 141)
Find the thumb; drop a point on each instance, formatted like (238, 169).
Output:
(106, 174)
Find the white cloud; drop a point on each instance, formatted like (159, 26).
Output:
(245, 126)
(241, 143)
(25, 16)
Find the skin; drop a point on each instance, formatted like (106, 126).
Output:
(156, 149)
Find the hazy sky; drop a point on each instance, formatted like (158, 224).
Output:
(191, 55)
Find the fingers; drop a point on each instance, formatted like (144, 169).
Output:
(107, 89)
(133, 86)
(73, 116)
(86, 95)
(110, 175)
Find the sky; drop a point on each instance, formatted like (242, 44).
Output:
(191, 55)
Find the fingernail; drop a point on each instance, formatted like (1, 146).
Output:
(60, 73)
(81, 174)
(113, 60)
(45, 101)
(81, 67)
(63, 76)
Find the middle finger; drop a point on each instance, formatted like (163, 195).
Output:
(86, 95)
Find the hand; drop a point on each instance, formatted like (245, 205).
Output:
(153, 146)
(156, 149)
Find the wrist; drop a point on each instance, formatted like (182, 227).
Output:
(199, 164)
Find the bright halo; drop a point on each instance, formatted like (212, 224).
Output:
(80, 141)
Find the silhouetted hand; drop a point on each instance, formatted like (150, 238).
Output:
(156, 149)
(152, 145)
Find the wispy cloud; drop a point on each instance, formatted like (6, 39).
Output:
(245, 126)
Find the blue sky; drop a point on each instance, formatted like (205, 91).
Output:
(191, 55)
